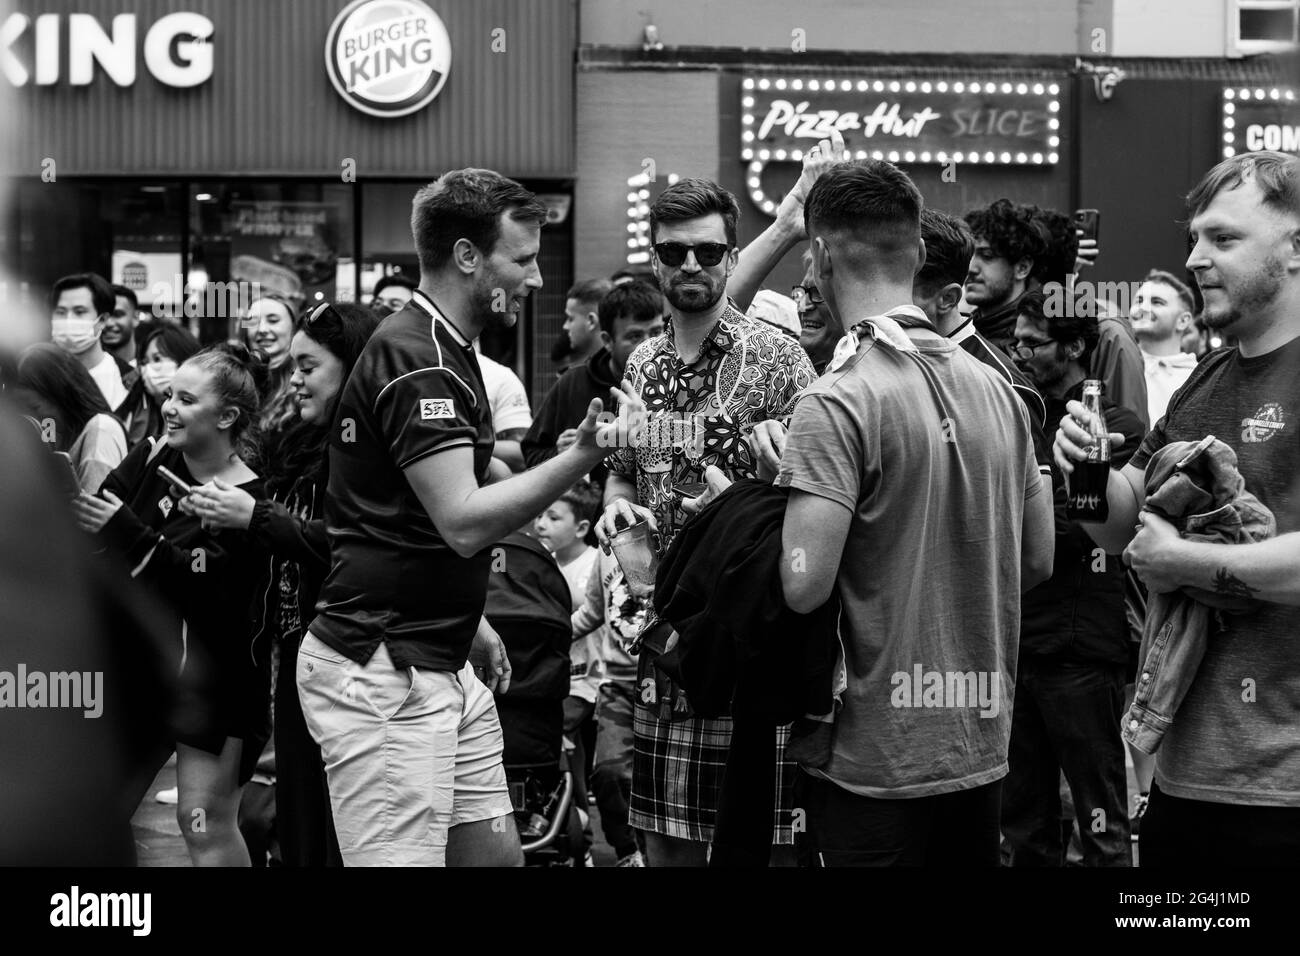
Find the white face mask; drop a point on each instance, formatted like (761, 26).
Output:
(158, 376)
(74, 335)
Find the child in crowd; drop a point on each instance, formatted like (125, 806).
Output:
(616, 616)
(565, 528)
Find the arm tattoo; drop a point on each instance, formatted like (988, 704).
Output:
(1225, 582)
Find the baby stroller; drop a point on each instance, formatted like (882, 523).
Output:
(528, 604)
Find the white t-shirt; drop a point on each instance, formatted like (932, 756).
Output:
(585, 672)
(109, 380)
(506, 395)
(1165, 375)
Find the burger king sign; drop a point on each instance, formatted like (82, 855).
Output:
(388, 58)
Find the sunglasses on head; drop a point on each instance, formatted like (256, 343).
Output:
(312, 317)
(706, 253)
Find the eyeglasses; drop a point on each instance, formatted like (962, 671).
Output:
(810, 292)
(1026, 352)
(707, 254)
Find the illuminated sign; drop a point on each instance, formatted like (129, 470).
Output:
(176, 49)
(388, 58)
(993, 122)
(1255, 119)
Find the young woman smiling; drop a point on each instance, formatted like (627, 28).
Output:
(208, 578)
(270, 328)
(290, 523)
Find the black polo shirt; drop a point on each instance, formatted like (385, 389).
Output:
(416, 390)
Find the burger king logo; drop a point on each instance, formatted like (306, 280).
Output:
(388, 58)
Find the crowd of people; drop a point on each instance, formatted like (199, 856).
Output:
(398, 610)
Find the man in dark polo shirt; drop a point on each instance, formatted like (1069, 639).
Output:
(1227, 780)
(409, 733)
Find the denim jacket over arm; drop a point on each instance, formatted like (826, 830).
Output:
(1196, 486)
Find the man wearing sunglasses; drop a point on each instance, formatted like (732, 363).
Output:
(706, 382)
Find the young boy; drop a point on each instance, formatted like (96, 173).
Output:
(565, 528)
(612, 612)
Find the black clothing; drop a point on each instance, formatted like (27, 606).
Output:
(292, 529)
(1078, 613)
(999, 325)
(209, 579)
(415, 391)
(565, 406)
(742, 651)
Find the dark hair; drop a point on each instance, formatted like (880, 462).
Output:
(633, 301)
(397, 279)
(122, 292)
(1056, 264)
(876, 203)
(1010, 231)
(948, 248)
(584, 499)
(1180, 288)
(1062, 328)
(64, 383)
(589, 291)
(342, 327)
(174, 341)
(101, 293)
(240, 378)
(691, 199)
(467, 204)
(301, 449)
(1274, 172)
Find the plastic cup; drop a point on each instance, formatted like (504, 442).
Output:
(635, 552)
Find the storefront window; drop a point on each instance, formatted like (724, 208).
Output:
(293, 239)
(128, 232)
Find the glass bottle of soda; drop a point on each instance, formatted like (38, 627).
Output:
(1088, 482)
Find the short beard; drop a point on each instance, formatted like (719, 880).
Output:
(482, 304)
(689, 307)
(1256, 293)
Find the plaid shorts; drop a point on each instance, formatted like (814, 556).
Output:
(677, 777)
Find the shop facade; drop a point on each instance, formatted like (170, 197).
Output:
(1111, 106)
(180, 146)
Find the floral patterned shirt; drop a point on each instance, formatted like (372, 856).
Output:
(702, 411)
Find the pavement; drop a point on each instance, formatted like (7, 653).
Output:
(158, 840)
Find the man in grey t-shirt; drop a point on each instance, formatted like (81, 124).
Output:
(913, 487)
(1227, 779)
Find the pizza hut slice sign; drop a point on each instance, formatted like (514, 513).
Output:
(388, 58)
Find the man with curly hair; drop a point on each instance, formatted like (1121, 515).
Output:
(1009, 248)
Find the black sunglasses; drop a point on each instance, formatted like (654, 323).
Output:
(706, 253)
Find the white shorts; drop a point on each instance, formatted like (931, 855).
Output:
(409, 754)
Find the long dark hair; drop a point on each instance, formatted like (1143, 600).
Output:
(300, 450)
(63, 383)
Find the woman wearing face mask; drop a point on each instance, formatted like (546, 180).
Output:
(82, 425)
(290, 523)
(208, 578)
(270, 329)
(161, 352)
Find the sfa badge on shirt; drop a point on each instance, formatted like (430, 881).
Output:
(431, 408)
